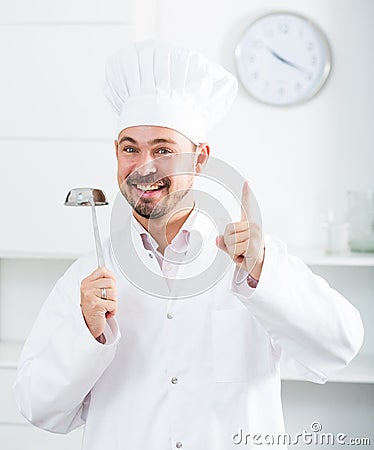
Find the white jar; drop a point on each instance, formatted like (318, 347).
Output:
(361, 220)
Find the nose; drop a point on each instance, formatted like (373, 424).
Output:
(147, 165)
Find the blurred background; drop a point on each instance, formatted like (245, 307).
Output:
(57, 132)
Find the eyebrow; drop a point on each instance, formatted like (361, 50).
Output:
(152, 142)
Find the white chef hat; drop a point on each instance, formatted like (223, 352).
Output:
(155, 83)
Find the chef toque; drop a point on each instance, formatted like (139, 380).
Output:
(159, 84)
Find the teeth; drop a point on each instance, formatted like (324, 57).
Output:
(148, 187)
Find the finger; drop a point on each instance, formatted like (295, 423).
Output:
(220, 242)
(235, 238)
(249, 208)
(107, 283)
(101, 306)
(245, 206)
(110, 305)
(101, 272)
(93, 299)
(111, 294)
(236, 227)
(239, 249)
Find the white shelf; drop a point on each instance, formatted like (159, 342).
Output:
(315, 256)
(360, 370)
(41, 255)
(9, 354)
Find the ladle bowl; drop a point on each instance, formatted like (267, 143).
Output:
(90, 197)
(85, 197)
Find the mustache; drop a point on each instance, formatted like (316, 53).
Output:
(149, 179)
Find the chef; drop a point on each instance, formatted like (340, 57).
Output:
(144, 360)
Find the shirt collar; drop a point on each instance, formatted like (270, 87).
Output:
(196, 221)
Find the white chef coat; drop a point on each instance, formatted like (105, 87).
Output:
(182, 373)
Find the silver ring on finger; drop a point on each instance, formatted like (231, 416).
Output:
(103, 294)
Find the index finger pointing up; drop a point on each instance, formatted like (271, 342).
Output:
(250, 210)
(245, 207)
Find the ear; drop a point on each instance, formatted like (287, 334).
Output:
(202, 156)
(116, 147)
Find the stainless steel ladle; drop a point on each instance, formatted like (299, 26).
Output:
(89, 197)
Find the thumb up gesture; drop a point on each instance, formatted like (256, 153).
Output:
(242, 241)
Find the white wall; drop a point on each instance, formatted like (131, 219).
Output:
(56, 126)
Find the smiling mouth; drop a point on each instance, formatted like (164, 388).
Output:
(149, 187)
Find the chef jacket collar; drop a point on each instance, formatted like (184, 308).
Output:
(196, 221)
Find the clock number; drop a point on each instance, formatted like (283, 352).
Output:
(284, 28)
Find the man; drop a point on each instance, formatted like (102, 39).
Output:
(147, 353)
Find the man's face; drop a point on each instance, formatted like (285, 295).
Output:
(149, 168)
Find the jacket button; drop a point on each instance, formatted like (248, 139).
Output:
(178, 444)
(169, 315)
(174, 380)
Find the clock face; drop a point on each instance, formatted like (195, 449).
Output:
(283, 59)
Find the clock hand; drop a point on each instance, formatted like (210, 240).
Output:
(289, 63)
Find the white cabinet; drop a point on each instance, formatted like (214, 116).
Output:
(24, 284)
(353, 276)
(15, 432)
(27, 437)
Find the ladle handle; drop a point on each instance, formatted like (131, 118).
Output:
(99, 249)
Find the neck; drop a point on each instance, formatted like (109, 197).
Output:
(165, 228)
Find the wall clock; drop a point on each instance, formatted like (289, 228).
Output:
(283, 59)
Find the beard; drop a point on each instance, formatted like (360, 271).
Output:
(151, 208)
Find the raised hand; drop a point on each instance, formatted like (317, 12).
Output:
(242, 241)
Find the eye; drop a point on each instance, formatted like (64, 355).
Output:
(163, 151)
(129, 150)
